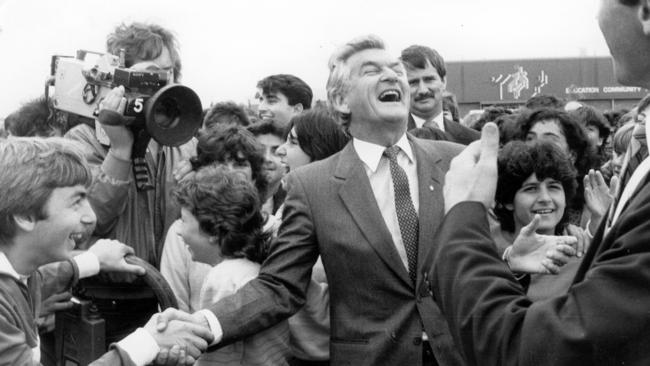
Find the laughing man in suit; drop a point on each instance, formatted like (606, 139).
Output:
(345, 209)
(426, 73)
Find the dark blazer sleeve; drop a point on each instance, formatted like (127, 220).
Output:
(57, 277)
(602, 320)
(279, 290)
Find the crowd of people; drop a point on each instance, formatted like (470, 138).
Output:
(378, 228)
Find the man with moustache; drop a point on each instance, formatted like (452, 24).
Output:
(369, 212)
(603, 319)
(426, 73)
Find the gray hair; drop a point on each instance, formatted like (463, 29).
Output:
(338, 80)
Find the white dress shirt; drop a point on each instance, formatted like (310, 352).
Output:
(381, 182)
(439, 120)
(637, 177)
(377, 168)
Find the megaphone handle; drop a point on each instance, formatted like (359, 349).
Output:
(141, 172)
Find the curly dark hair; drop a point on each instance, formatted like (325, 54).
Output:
(490, 114)
(35, 118)
(584, 153)
(518, 161)
(319, 136)
(226, 206)
(226, 113)
(590, 116)
(222, 143)
(544, 101)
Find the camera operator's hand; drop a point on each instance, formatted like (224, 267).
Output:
(111, 256)
(120, 136)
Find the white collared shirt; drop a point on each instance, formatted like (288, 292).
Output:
(381, 182)
(7, 268)
(637, 178)
(439, 120)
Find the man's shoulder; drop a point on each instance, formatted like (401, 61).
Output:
(7, 286)
(443, 149)
(460, 133)
(80, 132)
(319, 168)
(85, 135)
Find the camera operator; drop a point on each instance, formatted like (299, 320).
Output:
(139, 218)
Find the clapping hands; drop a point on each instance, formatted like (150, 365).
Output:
(537, 253)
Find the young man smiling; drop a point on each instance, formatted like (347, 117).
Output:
(43, 211)
(281, 97)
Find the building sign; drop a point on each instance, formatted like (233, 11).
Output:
(513, 84)
(518, 80)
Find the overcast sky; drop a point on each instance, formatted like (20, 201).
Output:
(227, 47)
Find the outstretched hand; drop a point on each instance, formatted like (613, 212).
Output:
(178, 337)
(164, 318)
(537, 253)
(472, 175)
(111, 256)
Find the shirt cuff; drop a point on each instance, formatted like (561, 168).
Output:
(116, 168)
(215, 326)
(140, 346)
(88, 264)
(587, 231)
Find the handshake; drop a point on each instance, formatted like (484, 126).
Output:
(181, 337)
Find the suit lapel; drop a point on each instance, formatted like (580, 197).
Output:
(357, 196)
(411, 123)
(430, 180)
(452, 129)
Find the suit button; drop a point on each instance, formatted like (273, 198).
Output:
(417, 341)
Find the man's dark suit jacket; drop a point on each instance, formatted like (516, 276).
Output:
(377, 315)
(455, 131)
(604, 319)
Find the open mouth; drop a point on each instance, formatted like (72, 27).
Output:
(80, 237)
(545, 211)
(390, 96)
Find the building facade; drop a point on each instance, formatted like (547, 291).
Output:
(509, 83)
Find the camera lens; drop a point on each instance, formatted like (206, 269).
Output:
(166, 113)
